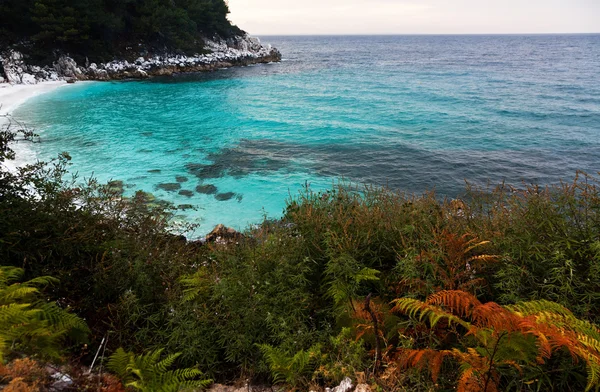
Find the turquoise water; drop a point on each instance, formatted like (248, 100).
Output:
(410, 112)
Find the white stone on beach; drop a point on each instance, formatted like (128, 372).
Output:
(28, 79)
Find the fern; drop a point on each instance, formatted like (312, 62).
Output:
(294, 370)
(455, 262)
(28, 324)
(148, 373)
(196, 285)
(525, 334)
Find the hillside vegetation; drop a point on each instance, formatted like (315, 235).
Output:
(499, 291)
(102, 29)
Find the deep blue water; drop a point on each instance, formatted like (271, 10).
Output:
(410, 112)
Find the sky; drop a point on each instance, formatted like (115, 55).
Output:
(291, 17)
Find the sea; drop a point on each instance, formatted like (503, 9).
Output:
(411, 113)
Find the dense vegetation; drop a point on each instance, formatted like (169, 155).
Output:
(499, 291)
(102, 29)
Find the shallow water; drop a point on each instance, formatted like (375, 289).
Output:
(410, 112)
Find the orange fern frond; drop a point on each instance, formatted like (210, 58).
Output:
(421, 359)
(491, 315)
(515, 336)
(458, 302)
(482, 259)
(472, 244)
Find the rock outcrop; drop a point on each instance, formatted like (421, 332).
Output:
(223, 235)
(237, 51)
(16, 71)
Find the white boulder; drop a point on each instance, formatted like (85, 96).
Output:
(345, 386)
(28, 79)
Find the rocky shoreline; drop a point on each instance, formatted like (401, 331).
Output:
(237, 51)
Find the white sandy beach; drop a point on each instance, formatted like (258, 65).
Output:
(11, 97)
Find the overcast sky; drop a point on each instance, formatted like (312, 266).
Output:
(264, 17)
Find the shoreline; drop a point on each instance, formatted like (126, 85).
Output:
(241, 50)
(11, 97)
(14, 95)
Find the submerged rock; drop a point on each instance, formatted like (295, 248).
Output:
(154, 171)
(181, 179)
(187, 193)
(207, 189)
(208, 171)
(185, 207)
(224, 196)
(145, 197)
(116, 186)
(169, 187)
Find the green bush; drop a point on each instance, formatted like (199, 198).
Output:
(255, 308)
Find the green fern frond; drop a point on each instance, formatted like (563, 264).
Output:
(593, 373)
(9, 274)
(31, 324)
(366, 274)
(15, 314)
(529, 308)
(421, 310)
(42, 281)
(61, 319)
(195, 285)
(16, 292)
(118, 362)
(166, 363)
(148, 373)
(290, 369)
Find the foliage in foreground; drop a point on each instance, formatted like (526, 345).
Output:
(309, 299)
(493, 343)
(29, 324)
(29, 375)
(149, 373)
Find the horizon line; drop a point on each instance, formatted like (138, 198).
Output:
(413, 34)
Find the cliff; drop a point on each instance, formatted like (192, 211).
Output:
(241, 50)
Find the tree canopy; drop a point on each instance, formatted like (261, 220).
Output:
(103, 29)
